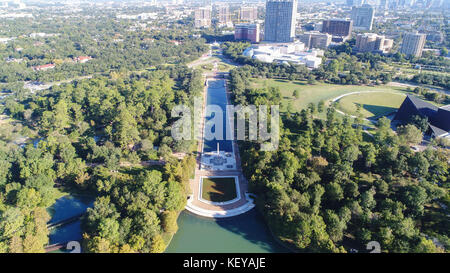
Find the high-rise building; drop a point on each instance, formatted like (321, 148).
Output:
(223, 13)
(315, 39)
(383, 5)
(337, 27)
(202, 17)
(363, 17)
(248, 32)
(280, 21)
(413, 44)
(371, 42)
(248, 13)
(352, 3)
(393, 4)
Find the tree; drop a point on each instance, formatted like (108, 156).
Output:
(295, 94)
(421, 122)
(169, 222)
(321, 106)
(335, 227)
(409, 134)
(418, 165)
(427, 246)
(12, 223)
(109, 229)
(31, 244)
(334, 192)
(158, 245)
(126, 128)
(414, 197)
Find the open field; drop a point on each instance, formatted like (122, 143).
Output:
(370, 104)
(219, 189)
(317, 92)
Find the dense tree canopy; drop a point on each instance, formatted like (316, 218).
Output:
(327, 189)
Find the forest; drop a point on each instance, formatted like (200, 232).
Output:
(97, 136)
(114, 45)
(330, 187)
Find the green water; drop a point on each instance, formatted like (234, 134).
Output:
(246, 233)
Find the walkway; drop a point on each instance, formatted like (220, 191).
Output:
(196, 206)
(371, 119)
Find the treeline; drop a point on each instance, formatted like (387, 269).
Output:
(432, 79)
(329, 188)
(438, 97)
(115, 45)
(341, 69)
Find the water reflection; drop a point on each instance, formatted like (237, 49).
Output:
(245, 233)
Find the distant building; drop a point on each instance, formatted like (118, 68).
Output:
(248, 14)
(413, 44)
(383, 5)
(363, 17)
(337, 27)
(352, 3)
(224, 15)
(43, 67)
(435, 36)
(438, 118)
(82, 59)
(315, 39)
(285, 53)
(202, 17)
(248, 32)
(371, 42)
(280, 21)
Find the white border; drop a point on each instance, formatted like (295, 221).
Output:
(236, 183)
(220, 213)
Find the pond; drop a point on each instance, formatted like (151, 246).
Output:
(65, 208)
(246, 233)
(216, 95)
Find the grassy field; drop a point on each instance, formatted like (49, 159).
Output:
(370, 104)
(315, 93)
(219, 189)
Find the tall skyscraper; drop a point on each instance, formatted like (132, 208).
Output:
(248, 13)
(352, 3)
(224, 15)
(280, 21)
(383, 5)
(363, 17)
(337, 27)
(202, 17)
(413, 44)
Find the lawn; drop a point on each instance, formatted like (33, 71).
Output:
(316, 92)
(219, 189)
(370, 104)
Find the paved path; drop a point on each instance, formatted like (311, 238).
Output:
(359, 92)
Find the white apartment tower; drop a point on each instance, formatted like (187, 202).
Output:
(203, 17)
(413, 44)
